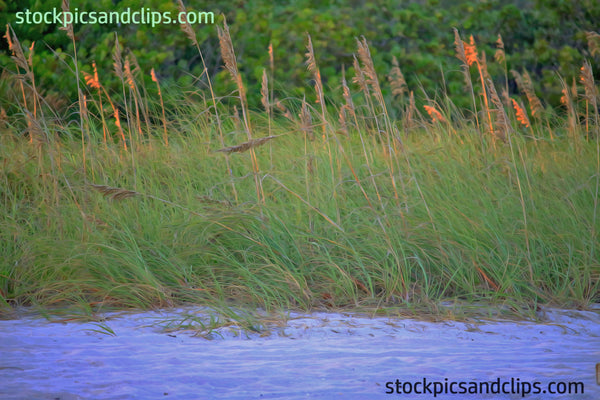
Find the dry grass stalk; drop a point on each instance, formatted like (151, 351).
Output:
(272, 66)
(484, 68)
(461, 54)
(264, 92)
(185, 25)
(228, 54)
(36, 131)
(114, 193)
(311, 64)
(500, 55)
(590, 93)
(360, 80)
(396, 79)
(570, 93)
(162, 106)
(370, 77)
(23, 63)
(409, 121)
(271, 57)
(230, 61)
(525, 85)
(117, 60)
(359, 77)
(347, 107)
(534, 101)
(265, 100)
(473, 58)
(593, 40)
(85, 108)
(69, 27)
(435, 115)
(314, 69)
(240, 148)
(306, 121)
(130, 80)
(81, 101)
(364, 54)
(93, 81)
(587, 79)
(30, 57)
(118, 122)
(120, 72)
(284, 110)
(506, 98)
(349, 104)
(521, 114)
(17, 51)
(503, 127)
(129, 74)
(142, 94)
(471, 52)
(118, 125)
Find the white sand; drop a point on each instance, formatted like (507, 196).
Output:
(316, 356)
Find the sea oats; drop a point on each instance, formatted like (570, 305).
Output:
(435, 115)
(593, 39)
(521, 114)
(396, 79)
(503, 127)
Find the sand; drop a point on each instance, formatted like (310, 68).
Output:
(313, 356)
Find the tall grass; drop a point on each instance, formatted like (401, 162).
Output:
(371, 213)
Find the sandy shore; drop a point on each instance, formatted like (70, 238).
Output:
(314, 356)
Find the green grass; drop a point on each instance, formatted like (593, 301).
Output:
(66, 243)
(450, 214)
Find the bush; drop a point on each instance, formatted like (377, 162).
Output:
(543, 37)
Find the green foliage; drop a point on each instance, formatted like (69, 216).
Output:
(544, 37)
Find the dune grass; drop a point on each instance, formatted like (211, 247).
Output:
(333, 205)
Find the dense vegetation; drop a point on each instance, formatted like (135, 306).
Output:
(374, 191)
(544, 37)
